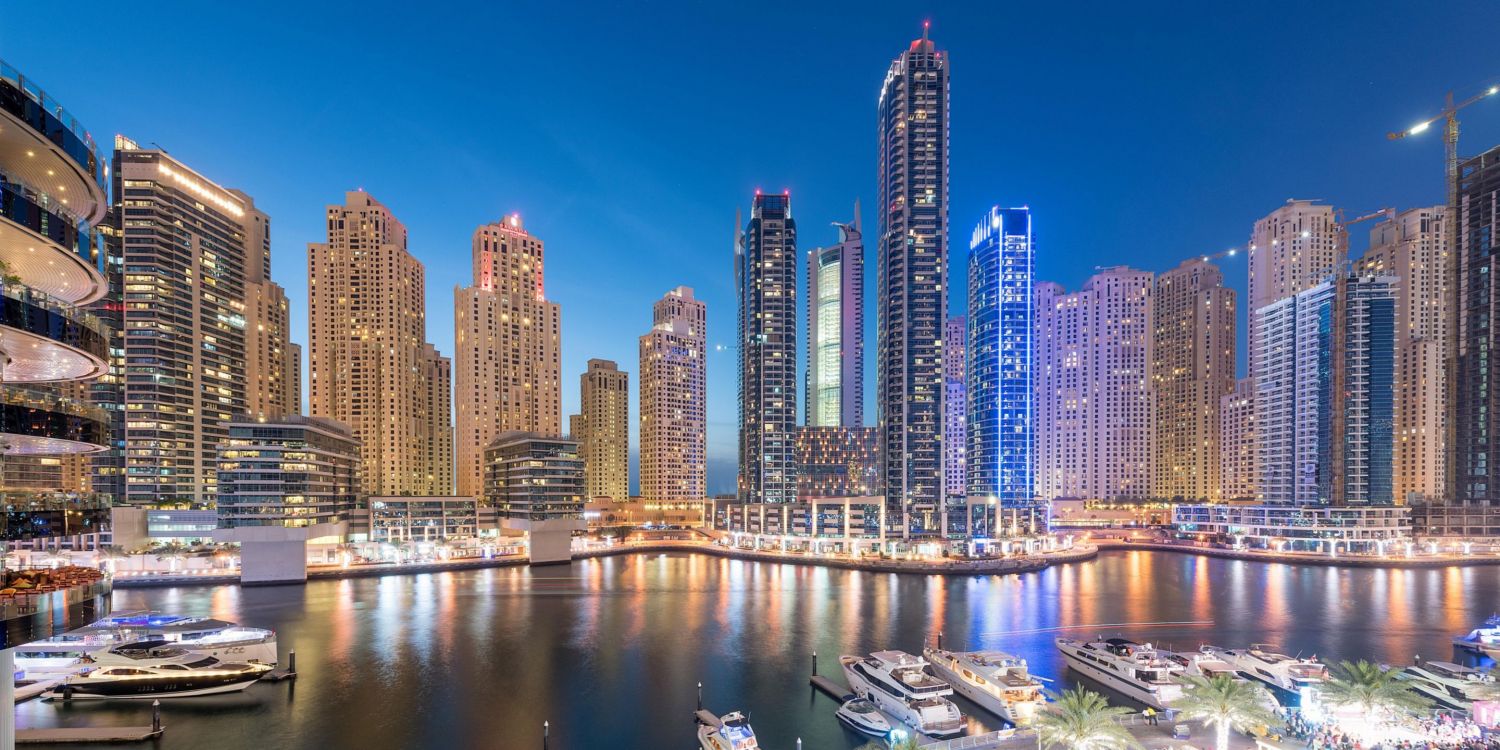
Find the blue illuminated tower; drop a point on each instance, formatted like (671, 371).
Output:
(1001, 326)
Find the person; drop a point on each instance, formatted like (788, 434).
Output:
(1151, 716)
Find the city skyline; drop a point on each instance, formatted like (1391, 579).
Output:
(1408, 175)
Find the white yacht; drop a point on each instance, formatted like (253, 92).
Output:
(222, 640)
(1452, 685)
(1485, 639)
(1292, 680)
(901, 686)
(1136, 670)
(864, 717)
(154, 669)
(733, 732)
(1205, 662)
(997, 681)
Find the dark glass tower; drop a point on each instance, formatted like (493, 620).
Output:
(911, 261)
(766, 279)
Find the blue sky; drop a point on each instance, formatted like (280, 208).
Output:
(627, 134)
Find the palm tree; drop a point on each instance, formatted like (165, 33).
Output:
(905, 743)
(1081, 719)
(1371, 689)
(1226, 703)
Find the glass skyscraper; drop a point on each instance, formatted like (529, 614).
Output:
(766, 277)
(1000, 342)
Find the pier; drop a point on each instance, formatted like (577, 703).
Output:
(73, 735)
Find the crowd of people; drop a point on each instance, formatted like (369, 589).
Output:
(1438, 733)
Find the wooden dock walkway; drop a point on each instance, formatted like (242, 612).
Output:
(67, 735)
(707, 717)
(831, 689)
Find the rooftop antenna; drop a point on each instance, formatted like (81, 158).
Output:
(925, 25)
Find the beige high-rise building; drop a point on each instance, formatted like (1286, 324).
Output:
(369, 362)
(1413, 246)
(1293, 249)
(273, 373)
(1238, 469)
(602, 430)
(509, 340)
(1093, 387)
(1192, 368)
(673, 402)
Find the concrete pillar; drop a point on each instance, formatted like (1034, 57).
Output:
(8, 699)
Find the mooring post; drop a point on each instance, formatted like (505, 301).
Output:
(546, 730)
(155, 717)
(940, 640)
(700, 696)
(291, 661)
(815, 664)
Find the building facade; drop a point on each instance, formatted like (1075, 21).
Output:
(1474, 480)
(1412, 246)
(765, 265)
(1192, 369)
(1292, 249)
(603, 431)
(673, 400)
(955, 409)
(509, 341)
(911, 299)
(1324, 400)
(273, 364)
(1093, 387)
(838, 462)
(835, 295)
(1239, 469)
(290, 471)
(369, 364)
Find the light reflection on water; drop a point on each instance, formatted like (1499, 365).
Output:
(610, 650)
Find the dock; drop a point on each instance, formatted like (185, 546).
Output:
(69, 735)
(707, 718)
(831, 689)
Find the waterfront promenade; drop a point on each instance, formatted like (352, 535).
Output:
(1351, 560)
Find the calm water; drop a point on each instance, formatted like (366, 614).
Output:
(610, 650)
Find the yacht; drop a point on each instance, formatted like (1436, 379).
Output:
(864, 717)
(997, 681)
(1452, 685)
(154, 669)
(1292, 680)
(732, 733)
(1205, 662)
(222, 640)
(901, 686)
(1485, 639)
(1138, 671)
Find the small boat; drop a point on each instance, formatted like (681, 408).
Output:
(1136, 670)
(997, 681)
(901, 686)
(1485, 639)
(1293, 680)
(862, 716)
(155, 669)
(733, 732)
(1452, 685)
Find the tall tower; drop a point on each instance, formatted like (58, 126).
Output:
(1192, 369)
(508, 337)
(369, 363)
(766, 277)
(1293, 249)
(186, 243)
(1001, 354)
(1474, 478)
(911, 263)
(1238, 466)
(603, 430)
(1413, 247)
(955, 410)
(273, 373)
(673, 439)
(1094, 388)
(835, 330)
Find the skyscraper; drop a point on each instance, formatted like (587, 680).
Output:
(911, 263)
(955, 409)
(673, 402)
(1292, 249)
(369, 363)
(1094, 417)
(1324, 393)
(1001, 333)
(1192, 368)
(1474, 480)
(766, 278)
(1413, 247)
(186, 242)
(273, 373)
(1238, 467)
(508, 337)
(835, 330)
(603, 433)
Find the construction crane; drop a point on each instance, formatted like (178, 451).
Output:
(1450, 136)
(1389, 213)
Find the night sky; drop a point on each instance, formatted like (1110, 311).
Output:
(626, 135)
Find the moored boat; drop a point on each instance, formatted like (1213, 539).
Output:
(1485, 639)
(154, 669)
(1452, 685)
(1137, 671)
(997, 681)
(864, 717)
(733, 732)
(1293, 680)
(901, 686)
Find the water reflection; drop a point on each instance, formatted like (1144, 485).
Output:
(610, 650)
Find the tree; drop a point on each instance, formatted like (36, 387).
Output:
(1226, 703)
(1081, 719)
(905, 743)
(1371, 689)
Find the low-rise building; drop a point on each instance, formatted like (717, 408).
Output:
(1296, 528)
(535, 485)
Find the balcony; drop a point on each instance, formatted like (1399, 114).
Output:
(47, 248)
(42, 423)
(45, 147)
(44, 340)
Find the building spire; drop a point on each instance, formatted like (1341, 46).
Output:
(925, 26)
